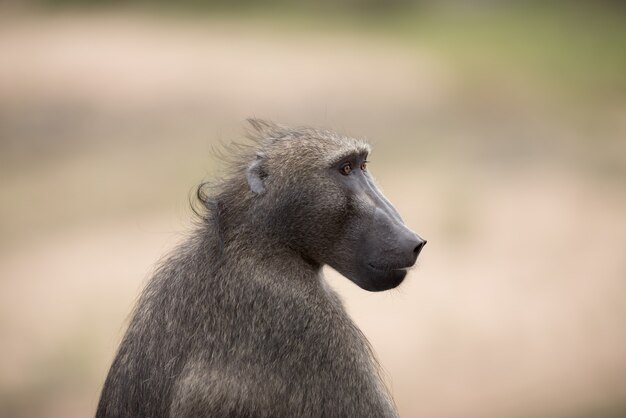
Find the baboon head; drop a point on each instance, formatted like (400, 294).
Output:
(312, 190)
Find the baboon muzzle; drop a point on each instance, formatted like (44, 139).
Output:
(391, 245)
(386, 248)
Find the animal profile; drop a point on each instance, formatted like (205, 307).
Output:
(239, 321)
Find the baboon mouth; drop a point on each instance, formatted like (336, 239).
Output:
(387, 269)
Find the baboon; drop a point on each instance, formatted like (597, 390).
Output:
(238, 321)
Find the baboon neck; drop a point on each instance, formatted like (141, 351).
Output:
(241, 235)
(266, 252)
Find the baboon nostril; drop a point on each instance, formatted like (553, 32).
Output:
(419, 247)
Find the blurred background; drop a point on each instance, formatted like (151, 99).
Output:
(499, 131)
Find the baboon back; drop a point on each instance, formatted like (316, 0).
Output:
(215, 342)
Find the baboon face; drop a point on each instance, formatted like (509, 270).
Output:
(375, 248)
(320, 197)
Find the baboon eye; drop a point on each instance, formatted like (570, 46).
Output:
(345, 169)
(364, 166)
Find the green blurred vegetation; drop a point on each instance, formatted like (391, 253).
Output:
(576, 52)
(575, 48)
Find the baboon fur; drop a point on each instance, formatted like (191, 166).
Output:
(239, 321)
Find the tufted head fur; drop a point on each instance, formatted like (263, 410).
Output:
(286, 186)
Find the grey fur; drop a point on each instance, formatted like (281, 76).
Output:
(238, 321)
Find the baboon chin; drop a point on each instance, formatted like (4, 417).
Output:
(239, 321)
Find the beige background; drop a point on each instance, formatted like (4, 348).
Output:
(512, 165)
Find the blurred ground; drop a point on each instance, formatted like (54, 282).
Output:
(509, 156)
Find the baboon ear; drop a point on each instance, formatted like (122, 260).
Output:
(256, 175)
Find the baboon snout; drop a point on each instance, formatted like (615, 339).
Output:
(409, 246)
(395, 245)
